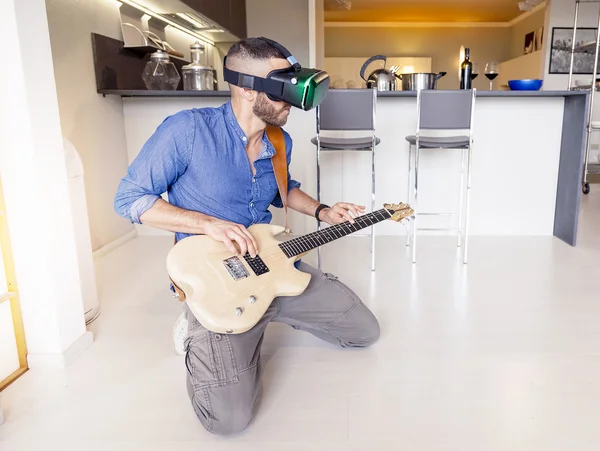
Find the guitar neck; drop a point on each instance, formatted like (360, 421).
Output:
(305, 243)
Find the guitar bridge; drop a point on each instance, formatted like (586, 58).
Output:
(236, 268)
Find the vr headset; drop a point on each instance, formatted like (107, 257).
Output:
(295, 85)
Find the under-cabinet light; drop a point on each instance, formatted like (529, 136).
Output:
(145, 10)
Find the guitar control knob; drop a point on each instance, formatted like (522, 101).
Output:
(238, 311)
(252, 299)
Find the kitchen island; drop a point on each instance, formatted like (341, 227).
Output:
(527, 159)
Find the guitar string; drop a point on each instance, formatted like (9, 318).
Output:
(328, 234)
(294, 248)
(296, 245)
(342, 226)
(313, 240)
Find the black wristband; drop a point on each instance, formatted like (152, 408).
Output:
(318, 210)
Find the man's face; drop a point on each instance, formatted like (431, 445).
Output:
(271, 112)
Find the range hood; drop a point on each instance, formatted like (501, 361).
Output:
(143, 23)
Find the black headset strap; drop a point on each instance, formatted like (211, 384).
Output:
(292, 60)
(260, 84)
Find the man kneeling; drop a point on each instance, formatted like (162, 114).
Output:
(215, 164)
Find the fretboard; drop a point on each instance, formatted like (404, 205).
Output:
(305, 243)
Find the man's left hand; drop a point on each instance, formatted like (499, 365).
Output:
(340, 212)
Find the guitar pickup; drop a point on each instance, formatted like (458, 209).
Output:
(257, 264)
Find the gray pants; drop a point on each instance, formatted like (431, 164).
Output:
(223, 371)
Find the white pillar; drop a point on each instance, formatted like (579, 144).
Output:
(36, 190)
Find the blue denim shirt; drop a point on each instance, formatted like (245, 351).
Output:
(198, 157)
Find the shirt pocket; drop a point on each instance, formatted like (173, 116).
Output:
(269, 190)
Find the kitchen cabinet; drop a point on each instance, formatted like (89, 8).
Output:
(237, 18)
(229, 14)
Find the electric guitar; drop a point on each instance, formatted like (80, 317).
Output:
(229, 293)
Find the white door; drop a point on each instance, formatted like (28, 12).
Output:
(13, 351)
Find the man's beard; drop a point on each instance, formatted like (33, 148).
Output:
(269, 113)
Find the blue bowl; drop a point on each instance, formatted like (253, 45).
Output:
(525, 85)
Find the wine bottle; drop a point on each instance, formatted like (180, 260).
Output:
(466, 68)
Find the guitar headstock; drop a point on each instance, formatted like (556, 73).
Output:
(399, 211)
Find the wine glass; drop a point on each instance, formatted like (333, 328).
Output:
(491, 72)
(474, 71)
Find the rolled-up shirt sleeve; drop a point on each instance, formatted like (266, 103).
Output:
(162, 159)
(291, 182)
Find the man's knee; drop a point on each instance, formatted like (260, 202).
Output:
(228, 424)
(367, 330)
(229, 409)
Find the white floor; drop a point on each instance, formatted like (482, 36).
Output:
(501, 354)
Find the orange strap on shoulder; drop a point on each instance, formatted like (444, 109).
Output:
(279, 161)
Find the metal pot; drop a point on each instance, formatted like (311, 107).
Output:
(382, 79)
(417, 81)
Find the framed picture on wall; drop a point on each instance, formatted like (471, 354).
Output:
(529, 43)
(560, 53)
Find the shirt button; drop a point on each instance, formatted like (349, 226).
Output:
(253, 179)
(244, 139)
(252, 204)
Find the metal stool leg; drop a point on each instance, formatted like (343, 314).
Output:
(468, 201)
(318, 196)
(409, 189)
(373, 206)
(462, 187)
(414, 205)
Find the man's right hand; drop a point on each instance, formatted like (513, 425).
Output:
(228, 232)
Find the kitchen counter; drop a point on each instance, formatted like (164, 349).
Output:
(527, 159)
(480, 93)
(499, 93)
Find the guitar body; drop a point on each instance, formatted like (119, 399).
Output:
(223, 291)
(229, 294)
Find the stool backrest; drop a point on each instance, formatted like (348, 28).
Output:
(445, 110)
(347, 109)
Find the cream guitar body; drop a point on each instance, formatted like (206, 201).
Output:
(202, 268)
(229, 294)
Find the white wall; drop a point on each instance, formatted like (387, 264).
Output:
(519, 30)
(35, 183)
(285, 21)
(521, 67)
(92, 123)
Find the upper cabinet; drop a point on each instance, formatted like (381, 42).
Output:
(229, 14)
(237, 16)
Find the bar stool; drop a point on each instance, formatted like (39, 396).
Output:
(439, 111)
(347, 110)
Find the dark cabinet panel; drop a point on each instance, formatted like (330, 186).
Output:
(229, 14)
(217, 10)
(238, 18)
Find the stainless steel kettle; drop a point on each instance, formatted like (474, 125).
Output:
(382, 79)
